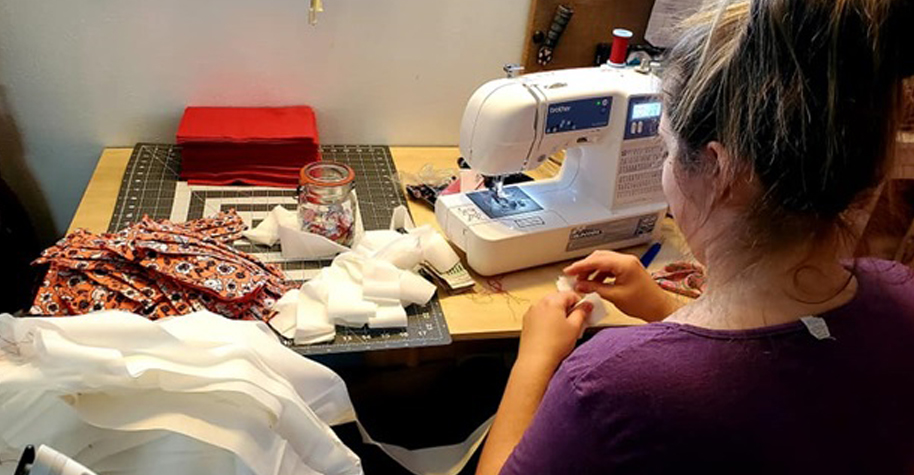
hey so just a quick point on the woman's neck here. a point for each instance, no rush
(745, 292)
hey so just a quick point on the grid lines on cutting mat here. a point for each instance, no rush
(151, 186)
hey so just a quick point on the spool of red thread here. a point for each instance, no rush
(621, 37)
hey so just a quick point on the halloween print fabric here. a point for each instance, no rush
(159, 269)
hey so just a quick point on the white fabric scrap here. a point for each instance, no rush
(286, 319)
(313, 324)
(298, 244)
(400, 219)
(381, 280)
(390, 314)
(566, 284)
(436, 251)
(404, 253)
(266, 233)
(415, 289)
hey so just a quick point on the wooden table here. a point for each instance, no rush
(494, 309)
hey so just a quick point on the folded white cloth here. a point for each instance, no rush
(282, 225)
(267, 232)
(390, 314)
(436, 251)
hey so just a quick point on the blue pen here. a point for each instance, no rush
(650, 254)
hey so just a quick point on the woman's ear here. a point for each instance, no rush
(731, 183)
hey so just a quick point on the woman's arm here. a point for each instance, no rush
(526, 386)
(548, 336)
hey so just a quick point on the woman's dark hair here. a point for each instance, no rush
(804, 94)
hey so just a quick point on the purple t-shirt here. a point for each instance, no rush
(672, 398)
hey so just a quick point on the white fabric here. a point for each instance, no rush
(437, 252)
(415, 289)
(390, 314)
(404, 253)
(313, 324)
(286, 318)
(599, 312)
(119, 378)
(298, 244)
(267, 232)
(282, 225)
(400, 219)
(372, 241)
(369, 285)
(187, 395)
(381, 280)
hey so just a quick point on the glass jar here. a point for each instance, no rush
(326, 202)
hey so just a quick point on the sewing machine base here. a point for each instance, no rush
(564, 227)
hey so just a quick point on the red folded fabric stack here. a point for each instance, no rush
(262, 146)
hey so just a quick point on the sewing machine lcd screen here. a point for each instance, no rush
(643, 117)
(646, 110)
(578, 115)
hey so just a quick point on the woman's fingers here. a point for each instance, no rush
(609, 263)
(586, 266)
(606, 291)
(564, 300)
(579, 315)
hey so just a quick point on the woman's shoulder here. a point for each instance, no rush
(626, 358)
(656, 356)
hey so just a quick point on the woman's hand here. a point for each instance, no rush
(634, 292)
(548, 336)
(550, 332)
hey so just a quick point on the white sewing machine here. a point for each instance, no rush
(608, 193)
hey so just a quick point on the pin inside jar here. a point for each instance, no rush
(326, 202)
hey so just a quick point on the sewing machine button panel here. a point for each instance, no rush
(578, 115)
(529, 222)
(643, 117)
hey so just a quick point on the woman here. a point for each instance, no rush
(779, 117)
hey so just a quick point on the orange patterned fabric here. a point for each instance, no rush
(684, 278)
(159, 269)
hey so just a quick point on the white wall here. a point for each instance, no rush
(80, 75)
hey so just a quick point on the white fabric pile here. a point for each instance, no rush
(187, 395)
(369, 285)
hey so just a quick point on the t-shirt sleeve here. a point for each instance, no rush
(557, 440)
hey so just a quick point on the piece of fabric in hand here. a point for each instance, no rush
(159, 269)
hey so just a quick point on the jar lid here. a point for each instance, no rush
(327, 174)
